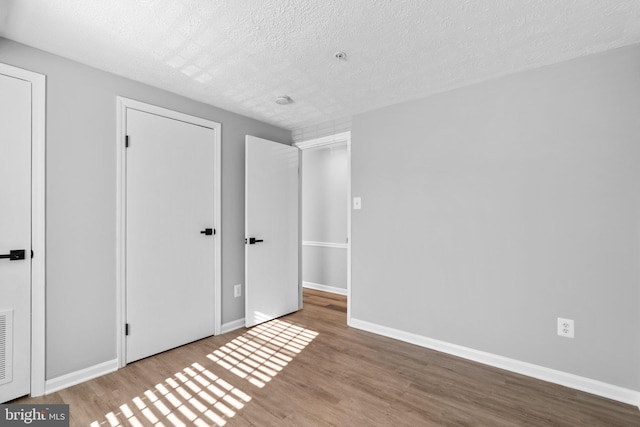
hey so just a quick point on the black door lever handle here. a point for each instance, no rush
(253, 240)
(207, 231)
(14, 255)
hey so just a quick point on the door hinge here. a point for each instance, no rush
(126, 329)
(126, 141)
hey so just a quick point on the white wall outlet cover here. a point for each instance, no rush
(566, 327)
(237, 291)
(357, 203)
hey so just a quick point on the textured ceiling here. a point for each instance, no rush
(239, 55)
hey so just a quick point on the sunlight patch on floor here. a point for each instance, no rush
(196, 396)
(264, 350)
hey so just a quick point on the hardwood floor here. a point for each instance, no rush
(310, 369)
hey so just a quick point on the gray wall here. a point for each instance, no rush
(81, 201)
(324, 214)
(324, 194)
(319, 130)
(324, 266)
(491, 210)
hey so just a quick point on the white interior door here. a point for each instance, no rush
(169, 253)
(15, 235)
(272, 235)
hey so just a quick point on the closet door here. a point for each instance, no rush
(169, 233)
(15, 237)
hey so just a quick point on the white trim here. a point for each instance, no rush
(349, 228)
(232, 326)
(217, 244)
(38, 213)
(300, 249)
(165, 112)
(121, 232)
(344, 137)
(324, 288)
(68, 380)
(38, 235)
(566, 379)
(121, 180)
(325, 244)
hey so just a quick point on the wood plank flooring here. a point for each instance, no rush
(310, 369)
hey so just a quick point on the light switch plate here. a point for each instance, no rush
(357, 203)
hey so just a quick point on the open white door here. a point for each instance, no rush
(271, 226)
(15, 237)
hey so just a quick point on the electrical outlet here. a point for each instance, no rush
(237, 290)
(565, 327)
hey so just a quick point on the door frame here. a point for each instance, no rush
(337, 139)
(122, 104)
(38, 139)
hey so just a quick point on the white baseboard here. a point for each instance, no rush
(325, 288)
(599, 388)
(232, 326)
(68, 380)
(325, 244)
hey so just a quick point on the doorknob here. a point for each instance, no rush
(207, 231)
(253, 240)
(14, 255)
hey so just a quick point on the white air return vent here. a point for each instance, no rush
(6, 346)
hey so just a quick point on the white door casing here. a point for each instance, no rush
(169, 269)
(272, 287)
(22, 110)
